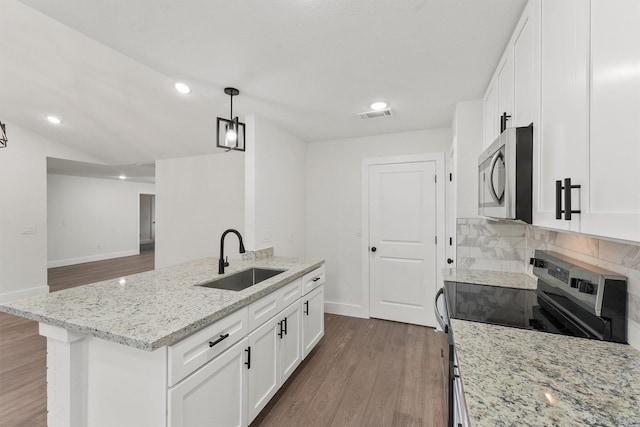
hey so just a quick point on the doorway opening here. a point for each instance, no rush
(147, 232)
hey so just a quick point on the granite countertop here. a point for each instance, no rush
(518, 377)
(491, 278)
(155, 308)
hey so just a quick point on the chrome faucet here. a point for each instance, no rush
(222, 263)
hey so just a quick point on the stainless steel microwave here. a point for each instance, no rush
(505, 176)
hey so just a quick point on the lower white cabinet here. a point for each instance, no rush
(232, 388)
(215, 394)
(263, 367)
(312, 319)
(276, 352)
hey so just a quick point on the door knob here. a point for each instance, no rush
(449, 261)
(373, 249)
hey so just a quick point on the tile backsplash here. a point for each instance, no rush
(484, 244)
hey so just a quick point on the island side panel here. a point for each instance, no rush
(93, 382)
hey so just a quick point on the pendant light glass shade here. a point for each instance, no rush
(230, 132)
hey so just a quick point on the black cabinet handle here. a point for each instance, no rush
(503, 121)
(212, 343)
(373, 249)
(248, 362)
(567, 211)
(558, 199)
(315, 279)
(281, 333)
(306, 308)
(285, 325)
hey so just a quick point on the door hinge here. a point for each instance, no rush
(450, 241)
(450, 177)
(436, 240)
(436, 179)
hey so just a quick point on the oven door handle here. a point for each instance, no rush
(439, 317)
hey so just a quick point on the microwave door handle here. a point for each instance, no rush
(494, 161)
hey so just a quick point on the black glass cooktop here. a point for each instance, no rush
(519, 308)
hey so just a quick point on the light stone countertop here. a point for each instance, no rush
(491, 278)
(518, 377)
(155, 308)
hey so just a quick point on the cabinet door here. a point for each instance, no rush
(613, 207)
(491, 118)
(562, 151)
(312, 319)
(214, 395)
(505, 88)
(263, 371)
(526, 68)
(290, 343)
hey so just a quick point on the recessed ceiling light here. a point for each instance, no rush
(182, 88)
(54, 120)
(378, 106)
(122, 177)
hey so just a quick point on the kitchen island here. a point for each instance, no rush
(126, 351)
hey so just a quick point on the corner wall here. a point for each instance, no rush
(275, 200)
(23, 191)
(197, 198)
(334, 206)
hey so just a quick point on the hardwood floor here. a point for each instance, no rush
(363, 372)
(23, 386)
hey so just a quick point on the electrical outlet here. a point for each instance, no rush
(29, 229)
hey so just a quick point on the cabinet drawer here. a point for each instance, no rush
(312, 280)
(189, 354)
(268, 306)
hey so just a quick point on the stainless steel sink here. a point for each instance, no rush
(243, 279)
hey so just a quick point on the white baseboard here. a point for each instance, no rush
(350, 310)
(91, 258)
(23, 293)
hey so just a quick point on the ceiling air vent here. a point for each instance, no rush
(375, 114)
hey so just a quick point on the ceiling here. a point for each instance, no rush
(107, 67)
(145, 172)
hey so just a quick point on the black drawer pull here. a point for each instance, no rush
(222, 337)
(315, 279)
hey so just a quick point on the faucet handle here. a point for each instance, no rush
(226, 261)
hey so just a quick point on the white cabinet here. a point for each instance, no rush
(526, 67)
(276, 351)
(590, 127)
(214, 395)
(611, 207)
(491, 116)
(564, 123)
(312, 319)
(263, 367)
(513, 90)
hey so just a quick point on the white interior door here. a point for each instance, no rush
(402, 241)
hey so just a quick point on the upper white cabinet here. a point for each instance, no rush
(590, 117)
(612, 205)
(564, 123)
(513, 92)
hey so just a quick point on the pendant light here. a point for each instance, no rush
(3, 135)
(230, 132)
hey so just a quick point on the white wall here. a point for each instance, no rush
(275, 189)
(197, 198)
(334, 205)
(23, 202)
(467, 133)
(91, 219)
